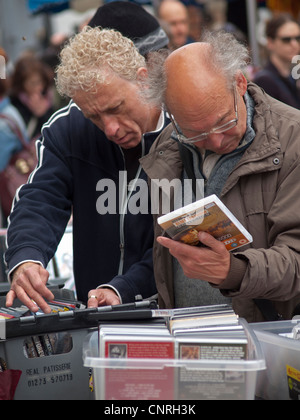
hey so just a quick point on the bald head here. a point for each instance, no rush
(168, 9)
(188, 56)
(202, 97)
(191, 75)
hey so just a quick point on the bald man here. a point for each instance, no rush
(245, 146)
(175, 16)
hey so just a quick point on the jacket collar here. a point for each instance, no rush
(264, 154)
(266, 142)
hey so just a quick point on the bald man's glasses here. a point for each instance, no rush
(217, 130)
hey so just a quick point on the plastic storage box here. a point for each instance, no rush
(58, 375)
(46, 349)
(173, 379)
(281, 379)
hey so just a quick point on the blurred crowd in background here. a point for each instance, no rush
(28, 94)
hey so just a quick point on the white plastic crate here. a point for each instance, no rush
(281, 379)
(173, 379)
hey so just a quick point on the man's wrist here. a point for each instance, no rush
(108, 286)
(13, 271)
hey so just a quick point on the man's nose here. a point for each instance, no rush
(216, 138)
(110, 126)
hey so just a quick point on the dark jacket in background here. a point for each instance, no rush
(29, 119)
(283, 89)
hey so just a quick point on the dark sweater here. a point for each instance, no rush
(74, 155)
(283, 89)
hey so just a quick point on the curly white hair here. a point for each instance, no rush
(92, 56)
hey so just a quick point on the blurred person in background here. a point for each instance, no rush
(174, 17)
(31, 92)
(50, 56)
(217, 15)
(283, 43)
(196, 21)
(11, 124)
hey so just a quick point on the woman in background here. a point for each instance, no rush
(32, 94)
(11, 128)
(11, 124)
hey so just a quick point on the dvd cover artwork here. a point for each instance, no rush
(207, 215)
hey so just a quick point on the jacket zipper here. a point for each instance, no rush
(125, 199)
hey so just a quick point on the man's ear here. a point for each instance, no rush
(142, 74)
(241, 83)
(142, 78)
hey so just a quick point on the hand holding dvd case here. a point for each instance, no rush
(207, 215)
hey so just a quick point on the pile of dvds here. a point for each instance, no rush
(206, 332)
(44, 344)
(57, 305)
(198, 334)
(47, 345)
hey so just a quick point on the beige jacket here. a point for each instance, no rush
(263, 192)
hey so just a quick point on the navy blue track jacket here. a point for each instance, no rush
(73, 156)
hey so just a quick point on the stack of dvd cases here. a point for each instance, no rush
(162, 359)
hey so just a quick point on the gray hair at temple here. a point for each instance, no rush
(226, 56)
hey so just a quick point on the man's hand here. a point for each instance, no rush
(102, 297)
(210, 263)
(28, 285)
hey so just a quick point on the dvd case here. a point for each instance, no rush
(208, 215)
(133, 341)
